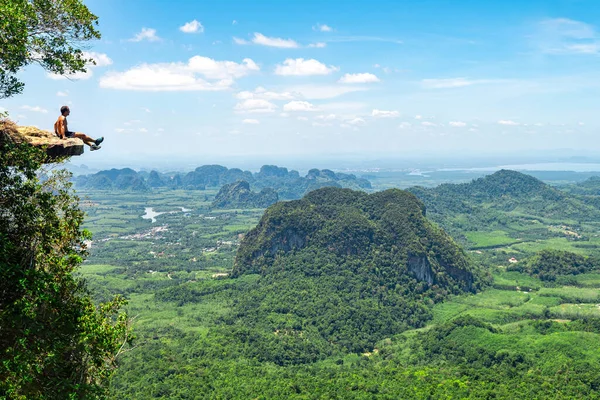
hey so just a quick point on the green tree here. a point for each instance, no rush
(49, 33)
(54, 342)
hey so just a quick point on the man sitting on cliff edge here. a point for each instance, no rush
(62, 131)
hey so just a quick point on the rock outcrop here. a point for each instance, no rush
(53, 145)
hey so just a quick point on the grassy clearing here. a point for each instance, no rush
(570, 294)
(489, 239)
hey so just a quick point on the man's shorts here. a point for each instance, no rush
(70, 134)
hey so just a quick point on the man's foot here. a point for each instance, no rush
(99, 140)
(94, 147)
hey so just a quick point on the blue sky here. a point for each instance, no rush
(199, 79)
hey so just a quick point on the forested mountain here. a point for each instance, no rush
(288, 184)
(239, 195)
(502, 199)
(113, 179)
(347, 269)
(590, 186)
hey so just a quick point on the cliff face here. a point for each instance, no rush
(54, 146)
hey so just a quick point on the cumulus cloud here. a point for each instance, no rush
(359, 78)
(302, 67)
(319, 45)
(299, 106)
(255, 106)
(251, 121)
(457, 124)
(62, 94)
(148, 34)
(322, 28)
(508, 123)
(101, 59)
(188, 76)
(35, 109)
(384, 114)
(192, 27)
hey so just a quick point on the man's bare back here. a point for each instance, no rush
(61, 129)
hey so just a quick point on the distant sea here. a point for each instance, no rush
(574, 167)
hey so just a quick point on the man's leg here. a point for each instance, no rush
(86, 139)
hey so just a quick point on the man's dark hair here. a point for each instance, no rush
(63, 109)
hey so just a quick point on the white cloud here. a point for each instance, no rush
(318, 45)
(581, 123)
(101, 60)
(404, 125)
(263, 40)
(452, 83)
(302, 67)
(427, 123)
(262, 93)
(299, 106)
(302, 118)
(148, 34)
(384, 114)
(192, 27)
(237, 40)
(251, 121)
(320, 92)
(567, 36)
(180, 76)
(145, 109)
(508, 122)
(356, 121)
(35, 109)
(457, 124)
(143, 130)
(123, 130)
(322, 28)
(62, 94)
(359, 78)
(255, 106)
(321, 124)
(418, 117)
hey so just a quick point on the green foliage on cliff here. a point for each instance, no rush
(54, 342)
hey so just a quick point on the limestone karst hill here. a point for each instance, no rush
(54, 146)
(349, 268)
(239, 195)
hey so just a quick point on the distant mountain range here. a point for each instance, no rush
(287, 183)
